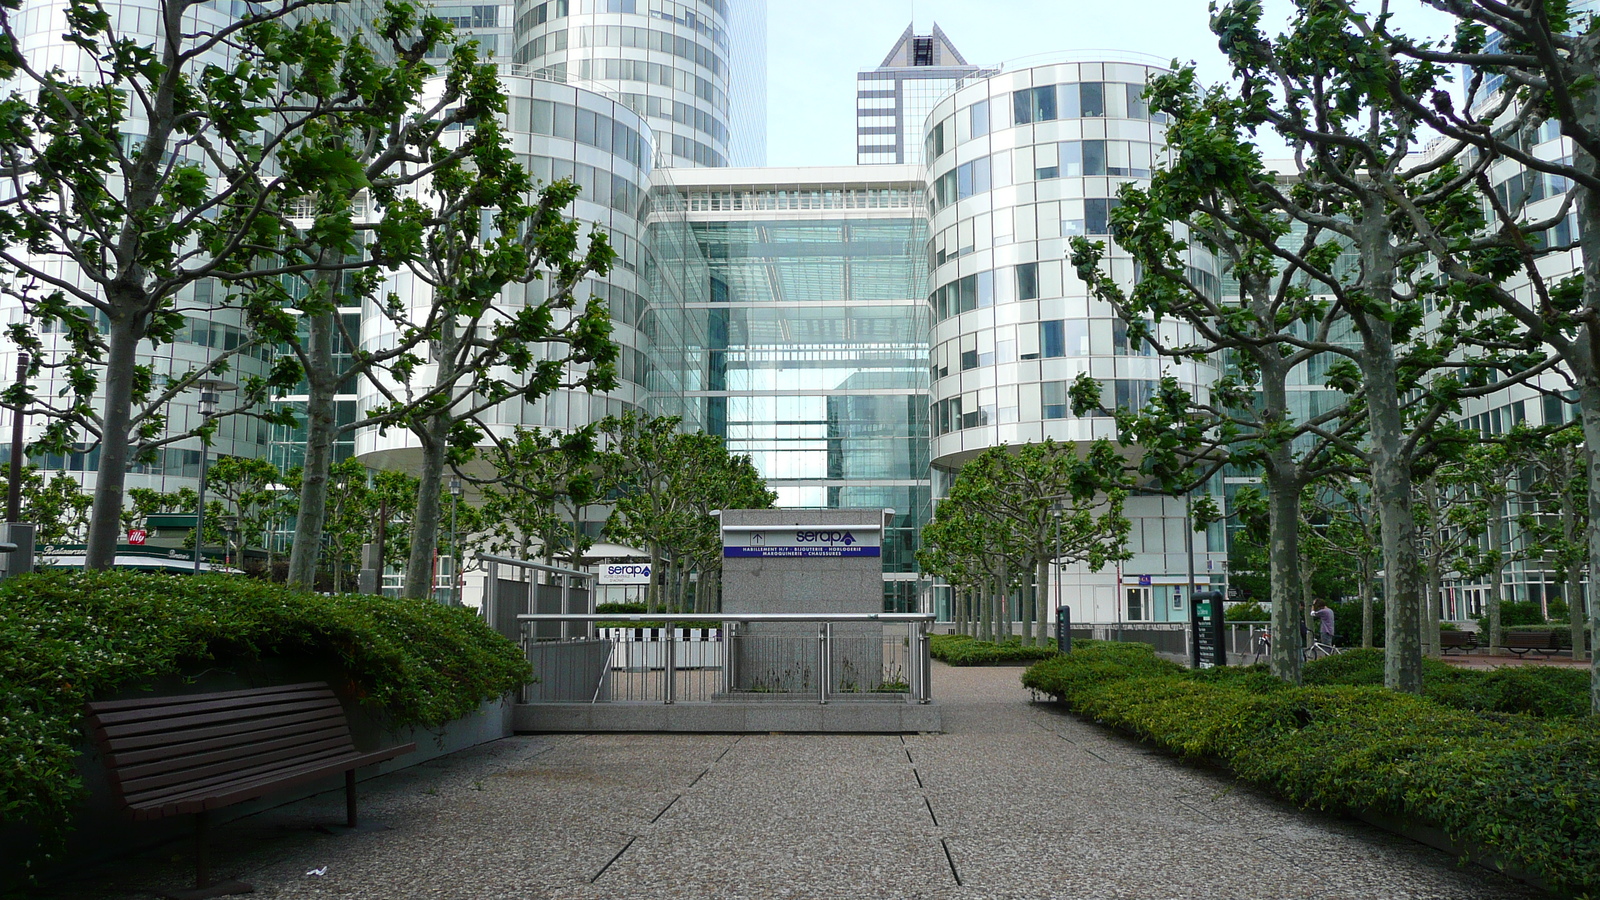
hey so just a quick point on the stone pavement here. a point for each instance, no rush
(1015, 800)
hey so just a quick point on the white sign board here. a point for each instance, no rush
(791, 541)
(625, 573)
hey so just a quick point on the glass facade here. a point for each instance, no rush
(564, 131)
(695, 69)
(816, 340)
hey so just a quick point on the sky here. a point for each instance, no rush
(815, 48)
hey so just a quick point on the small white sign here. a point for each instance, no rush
(625, 573)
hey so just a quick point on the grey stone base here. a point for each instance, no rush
(730, 717)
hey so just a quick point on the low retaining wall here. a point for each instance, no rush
(102, 831)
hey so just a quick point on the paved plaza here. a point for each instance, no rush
(1015, 800)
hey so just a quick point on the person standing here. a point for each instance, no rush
(1324, 617)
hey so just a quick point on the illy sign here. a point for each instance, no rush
(625, 573)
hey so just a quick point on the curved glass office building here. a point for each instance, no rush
(696, 69)
(559, 131)
(1017, 164)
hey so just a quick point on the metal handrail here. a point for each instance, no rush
(525, 564)
(918, 672)
(726, 617)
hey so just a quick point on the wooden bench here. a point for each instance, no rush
(1520, 642)
(169, 756)
(1465, 641)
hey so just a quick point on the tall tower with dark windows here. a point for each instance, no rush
(893, 100)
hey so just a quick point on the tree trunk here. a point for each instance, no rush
(1430, 617)
(1041, 605)
(425, 524)
(1392, 491)
(105, 517)
(652, 590)
(985, 610)
(1496, 576)
(1283, 557)
(1589, 404)
(321, 430)
(1366, 605)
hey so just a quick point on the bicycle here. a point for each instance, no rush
(1318, 649)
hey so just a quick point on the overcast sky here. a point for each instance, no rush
(815, 48)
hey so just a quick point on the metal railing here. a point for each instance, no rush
(741, 657)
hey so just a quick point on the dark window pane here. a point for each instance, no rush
(1092, 98)
(1022, 106)
(1094, 157)
(1044, 100)
(1052, 339)
(1028, 281)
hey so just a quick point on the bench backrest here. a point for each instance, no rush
(160, 748)
(1454, 638)
(1537, 639)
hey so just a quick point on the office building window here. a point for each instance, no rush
(1028, 281)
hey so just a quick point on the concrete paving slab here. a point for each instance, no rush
(1015, 799)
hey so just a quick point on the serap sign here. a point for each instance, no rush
(624, 573)
(782, 542)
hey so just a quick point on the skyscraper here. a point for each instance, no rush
(893, 100)
(695, 69)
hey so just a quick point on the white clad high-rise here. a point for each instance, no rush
(694, 69)
(1018, 163)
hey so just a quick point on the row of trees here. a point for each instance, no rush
(303, 168)
(662, 486)
(659, 484)
(1011, 516)
(1401, 275)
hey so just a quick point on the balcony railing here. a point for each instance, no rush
(743, 657)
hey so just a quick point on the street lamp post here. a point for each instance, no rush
(209, 396)
(208, 405)
(455, 550)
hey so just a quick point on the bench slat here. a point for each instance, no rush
(194, 719)
(245, 697)
(155, 745)
(239, 766)
(241, 748)
(199, 801)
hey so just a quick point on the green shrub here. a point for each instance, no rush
(1515, 786)
(67, 638)
(621, 608)
(964, 650)
(1540, 692)
(1249, 611)
(1512, 614)
(1347, 623)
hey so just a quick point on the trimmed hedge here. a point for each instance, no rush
(67, 638)
(965, 650)
(1553, 693)
(1516, 786)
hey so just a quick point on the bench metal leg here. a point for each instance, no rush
(202, 867)
(204, 887)
(350, 798)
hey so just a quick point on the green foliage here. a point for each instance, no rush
(1512, 785)
(667, 485)
(1249, 611)
(66, 639)
(59, 507)
(964, 650)
(1347, 623)
(1513, 613)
